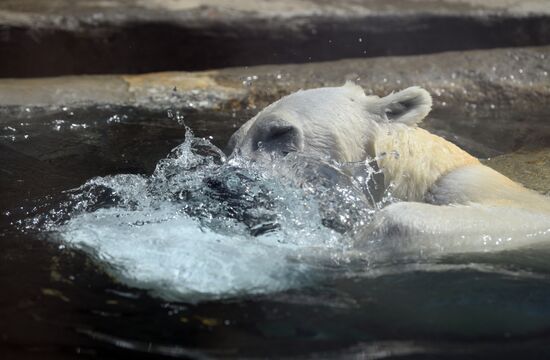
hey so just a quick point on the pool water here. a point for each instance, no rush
(114, 244)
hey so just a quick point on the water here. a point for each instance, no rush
(172, 260)
(203, 227)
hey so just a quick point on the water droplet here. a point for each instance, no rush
(115, 119)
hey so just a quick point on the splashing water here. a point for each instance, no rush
(204, 227)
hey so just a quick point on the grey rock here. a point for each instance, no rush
(531, 168)
(507, 79)
(71, 14)
(57, 37)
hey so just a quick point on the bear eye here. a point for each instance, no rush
(278, 131)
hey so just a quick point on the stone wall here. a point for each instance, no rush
(62, 37)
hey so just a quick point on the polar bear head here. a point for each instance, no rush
(333, 123)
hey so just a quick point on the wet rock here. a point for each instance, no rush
(517, 78)
(198, 90)
(529, 167)
(151, 91)
(63, 91)
(57, 37)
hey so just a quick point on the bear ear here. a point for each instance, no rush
(350, 85)
(409, 106)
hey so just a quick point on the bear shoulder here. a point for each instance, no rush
(413, 159)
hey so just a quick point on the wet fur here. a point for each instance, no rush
(451, 202)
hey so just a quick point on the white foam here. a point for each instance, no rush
(175, 257)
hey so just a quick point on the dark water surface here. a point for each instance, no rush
(56, 302)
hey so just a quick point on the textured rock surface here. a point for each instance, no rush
(531, 168)
(517, 78)
(55, 37)
(74, 13)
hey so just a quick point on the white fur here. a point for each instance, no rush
(455, 202)
(409, 106)
(420, 229)
(315, 112)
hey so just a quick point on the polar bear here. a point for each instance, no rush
(450, 202)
